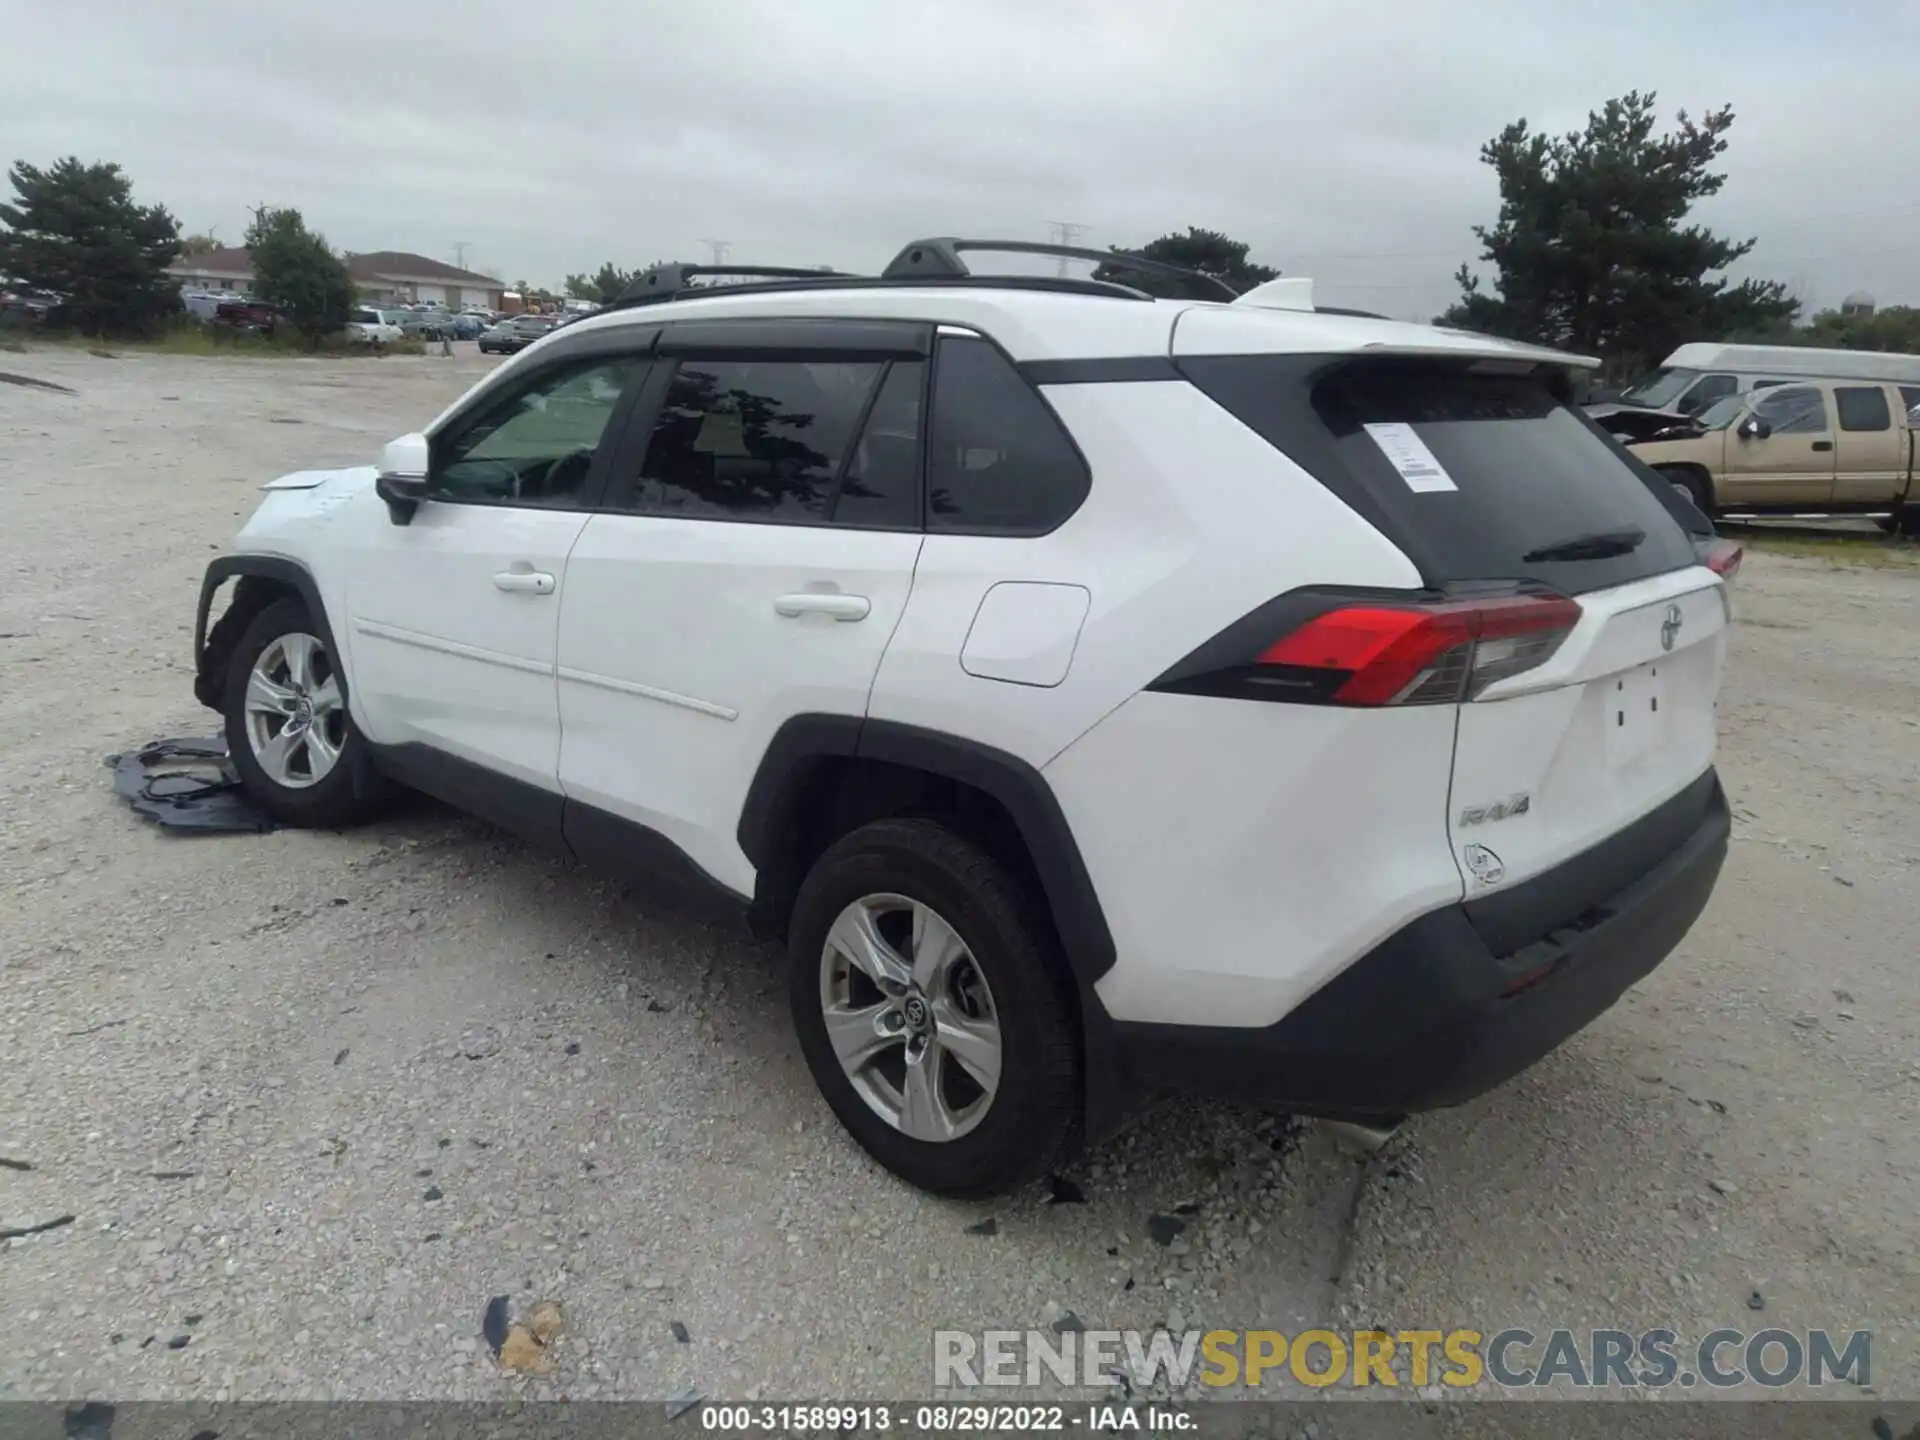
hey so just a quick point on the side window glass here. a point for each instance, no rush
(998, 461)
(536, 445)
(1862, 407)
(1910, 397)
(1794, 410)
(1709, 389)
(754, 439)
(880, 489)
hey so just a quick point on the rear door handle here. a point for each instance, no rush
(526, 582)
(1822, 445)
(824, 602)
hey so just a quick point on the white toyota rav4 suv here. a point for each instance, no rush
(1099, 695)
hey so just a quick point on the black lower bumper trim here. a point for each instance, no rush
(1436, 1015)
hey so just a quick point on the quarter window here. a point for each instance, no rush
(998, 462)
(755, 439)
(536, 446)
(1863, 407)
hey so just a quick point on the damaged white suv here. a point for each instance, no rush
(1099, 695)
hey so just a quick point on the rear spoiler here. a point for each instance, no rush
(1496, 354)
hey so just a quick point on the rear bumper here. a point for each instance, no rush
(1468, 996)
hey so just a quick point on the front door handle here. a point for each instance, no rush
(824, 602)
(526, 582)
(1823, 445)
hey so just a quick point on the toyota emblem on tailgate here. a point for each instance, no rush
(1670, 627)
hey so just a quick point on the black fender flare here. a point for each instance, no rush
(768, 814)
(207, 664)
(1021, 790)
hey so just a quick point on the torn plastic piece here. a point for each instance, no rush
(188, 784)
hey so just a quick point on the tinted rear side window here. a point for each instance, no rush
(1863, 407)
(998, 461)
(1473, 476)
(754, 439)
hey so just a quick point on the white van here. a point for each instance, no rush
(1695, 376)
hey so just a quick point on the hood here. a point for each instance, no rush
(1619, 407)
(356, 477)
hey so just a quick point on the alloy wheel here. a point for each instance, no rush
(910, 1017)
(296, 716)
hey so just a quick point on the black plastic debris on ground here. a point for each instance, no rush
(187, 785)
(493, 1324)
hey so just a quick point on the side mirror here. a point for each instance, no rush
(1754, 428)
(403, 477)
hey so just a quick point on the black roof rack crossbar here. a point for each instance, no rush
(665, 282)
(939, 258)
(824, 280)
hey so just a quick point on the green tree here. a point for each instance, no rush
(75, 229)
(296, 272)
(603, 287)
(1207, 251)
(1592, 252)
(199, 243)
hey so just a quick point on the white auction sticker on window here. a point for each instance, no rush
(1409, 454)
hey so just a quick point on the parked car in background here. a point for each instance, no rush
(515, 334)
(1831, 446)
(25, 302)
(369, 327)
(424, 324)
(466, 327)
(250, 316)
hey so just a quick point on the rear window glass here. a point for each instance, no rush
(1476, 477)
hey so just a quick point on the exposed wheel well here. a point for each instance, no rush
(1695, 477)
(835, 795)
(251, 595)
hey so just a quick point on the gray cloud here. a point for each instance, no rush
(1341, 140)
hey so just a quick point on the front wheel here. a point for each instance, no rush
(288, 731)
(932, 1010)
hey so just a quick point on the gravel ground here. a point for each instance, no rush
(313, 1099)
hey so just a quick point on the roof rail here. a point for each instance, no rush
(661, 283)
(939, 259)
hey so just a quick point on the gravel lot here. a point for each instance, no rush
(313, 1099)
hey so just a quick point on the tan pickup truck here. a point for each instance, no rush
(1832, 446)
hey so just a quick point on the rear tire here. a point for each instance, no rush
(910, 940)
(288, 730)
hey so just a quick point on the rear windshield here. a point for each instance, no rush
(1476, 477)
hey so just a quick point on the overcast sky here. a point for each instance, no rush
(1339, 137)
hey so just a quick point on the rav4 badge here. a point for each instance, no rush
(1505, 809)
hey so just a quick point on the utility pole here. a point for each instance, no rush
(1065, 232)
(460, 254)
(719, 249)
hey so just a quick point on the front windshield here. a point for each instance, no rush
(1721, 414)
(1660, 389)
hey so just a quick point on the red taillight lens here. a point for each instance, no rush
(1721, 556)
(1425, 654)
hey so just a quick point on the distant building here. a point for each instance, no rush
(225, 269)
(382, 277)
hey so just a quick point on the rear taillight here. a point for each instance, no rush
(1428, 654)
(1387, 652)
(1720, 555)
